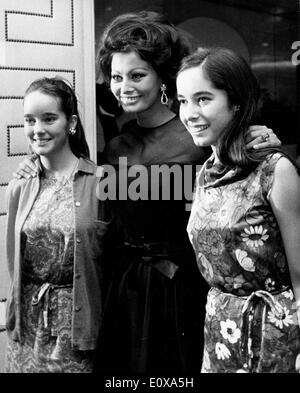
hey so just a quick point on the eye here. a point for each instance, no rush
(116, 78)
(138, 76)
(203, 100)
(181, 101)
(29, 120)
(49, 119)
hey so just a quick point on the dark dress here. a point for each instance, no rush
(154, 315)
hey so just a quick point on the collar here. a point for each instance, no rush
(84, 165)
(217, 174)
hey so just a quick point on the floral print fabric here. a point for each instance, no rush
(48, 255)
(251, 323)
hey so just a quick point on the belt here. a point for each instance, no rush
(247, 319)
(41, 298)
(155, 254)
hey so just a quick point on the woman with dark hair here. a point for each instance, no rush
(161, 46)
(60, 89)
(244, 223)
(54, 241)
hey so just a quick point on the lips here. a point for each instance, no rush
(129, 99)
(41, 142)
(197, 128)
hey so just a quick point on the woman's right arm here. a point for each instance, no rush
(285, 202)
(12, 196)
(27, 168)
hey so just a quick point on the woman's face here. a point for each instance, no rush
(204, 110)
(45, 125)
(134, 82)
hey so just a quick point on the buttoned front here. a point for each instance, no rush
(89, 233)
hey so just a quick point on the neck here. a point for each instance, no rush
(216, 158)
(155, 116)
(60, 164)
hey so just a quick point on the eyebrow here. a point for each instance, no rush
(199, 93)
(44, 114)
(133, 70)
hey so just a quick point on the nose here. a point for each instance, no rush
(126, 86)
(192, 112)
(38, 127)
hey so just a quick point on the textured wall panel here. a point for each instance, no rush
(38, 25)
(39, 38)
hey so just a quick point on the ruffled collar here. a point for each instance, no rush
(217, 174)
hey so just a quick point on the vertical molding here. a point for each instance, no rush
(89, 76)
(2, 314)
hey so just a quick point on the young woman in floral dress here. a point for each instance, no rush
(54, 241)
(244, 224)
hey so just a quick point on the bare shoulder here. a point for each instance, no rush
(286, 170)
(286, 186)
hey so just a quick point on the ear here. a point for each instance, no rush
(73, 121)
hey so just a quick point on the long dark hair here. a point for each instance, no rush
(150, 35)
(58, 88)
(230, 72)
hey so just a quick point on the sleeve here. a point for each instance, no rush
(13, 192)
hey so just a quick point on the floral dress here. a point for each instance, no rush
(251, 323)
(47, 290)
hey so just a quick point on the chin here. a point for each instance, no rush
(199, 142)
(202, 141)
(139, 107)
(41, 151)
(131, 109)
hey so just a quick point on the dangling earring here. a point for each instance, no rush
(164, 98)
(237, 108)
(72, 131)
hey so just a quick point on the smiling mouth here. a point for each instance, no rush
(130, 99)
(197, 128)
(41, 141)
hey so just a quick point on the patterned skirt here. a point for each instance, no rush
(46, 326)
(255, 334)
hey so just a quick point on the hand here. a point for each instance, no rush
(259, 137)
(26, 169)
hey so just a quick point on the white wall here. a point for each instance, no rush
(40, 38)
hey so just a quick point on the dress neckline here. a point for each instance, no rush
(175, 117)
(217, 174)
